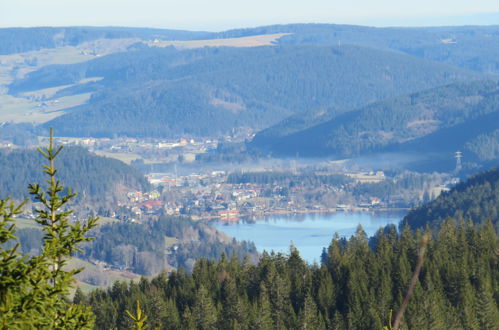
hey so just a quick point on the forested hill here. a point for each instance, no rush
(18, 40)
(139, 86)
(476, 199)
(94, 178)
(168, 92)
(471, 47)
(461, 116)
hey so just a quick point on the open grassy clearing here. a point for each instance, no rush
(47, 93)
(30, 223)
(122, 156)
(19, 109)
(84, 287)
(251, 41)
(18, 65)
(169, 241)
(95, 276)
(36, 59)
(22, 223)
(106, 220)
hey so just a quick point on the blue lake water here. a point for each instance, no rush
(310, 233)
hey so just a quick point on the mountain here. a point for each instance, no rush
(460, 116)
(476, 199)
(98, 180)
(167, 92)
(470, 47)
(166, 83)
(19, 40)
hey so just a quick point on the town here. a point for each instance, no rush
(252, 195)
(186, 185)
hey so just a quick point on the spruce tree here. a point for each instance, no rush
(310, 318)
(232, 305)
(264, 315)
(204, 312)
(487, 311)
(34, 289)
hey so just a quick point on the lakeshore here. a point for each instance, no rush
(308, 232)
(325, 211)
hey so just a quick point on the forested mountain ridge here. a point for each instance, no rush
(18, 40)
(460, 116)
(476, 199)
(313, 70)
(97, 179)
(180, 91)
(470, 47)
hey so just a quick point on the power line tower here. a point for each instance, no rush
(458, 155)
(293, 167)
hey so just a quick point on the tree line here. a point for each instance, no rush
(94, 177)
(359, 281)
(476, 199)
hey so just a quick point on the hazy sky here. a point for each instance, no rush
(224, 14)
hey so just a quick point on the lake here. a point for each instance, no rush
(310, 233)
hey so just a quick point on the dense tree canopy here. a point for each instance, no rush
(359, 281)
(476, 199)
(436, 122)
(168, 92)
(94, 177)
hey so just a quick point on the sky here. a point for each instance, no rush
(217, 15)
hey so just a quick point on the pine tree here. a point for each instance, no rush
(204, 312)
(310, 317)
(487, 311)
(326, 294)
(264, 310)
(188, 320)
(171, 318)
(232, 305)
(33, 290)
(139, 318)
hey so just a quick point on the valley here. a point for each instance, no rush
(345, 152)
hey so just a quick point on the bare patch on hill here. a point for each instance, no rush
(227, 105)
(423, 127)
(226, 100)
(251, 41)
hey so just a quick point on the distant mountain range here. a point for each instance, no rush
(149, 93)
(471, 47)
(311, 89)
(442, 120)
(19, 40)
